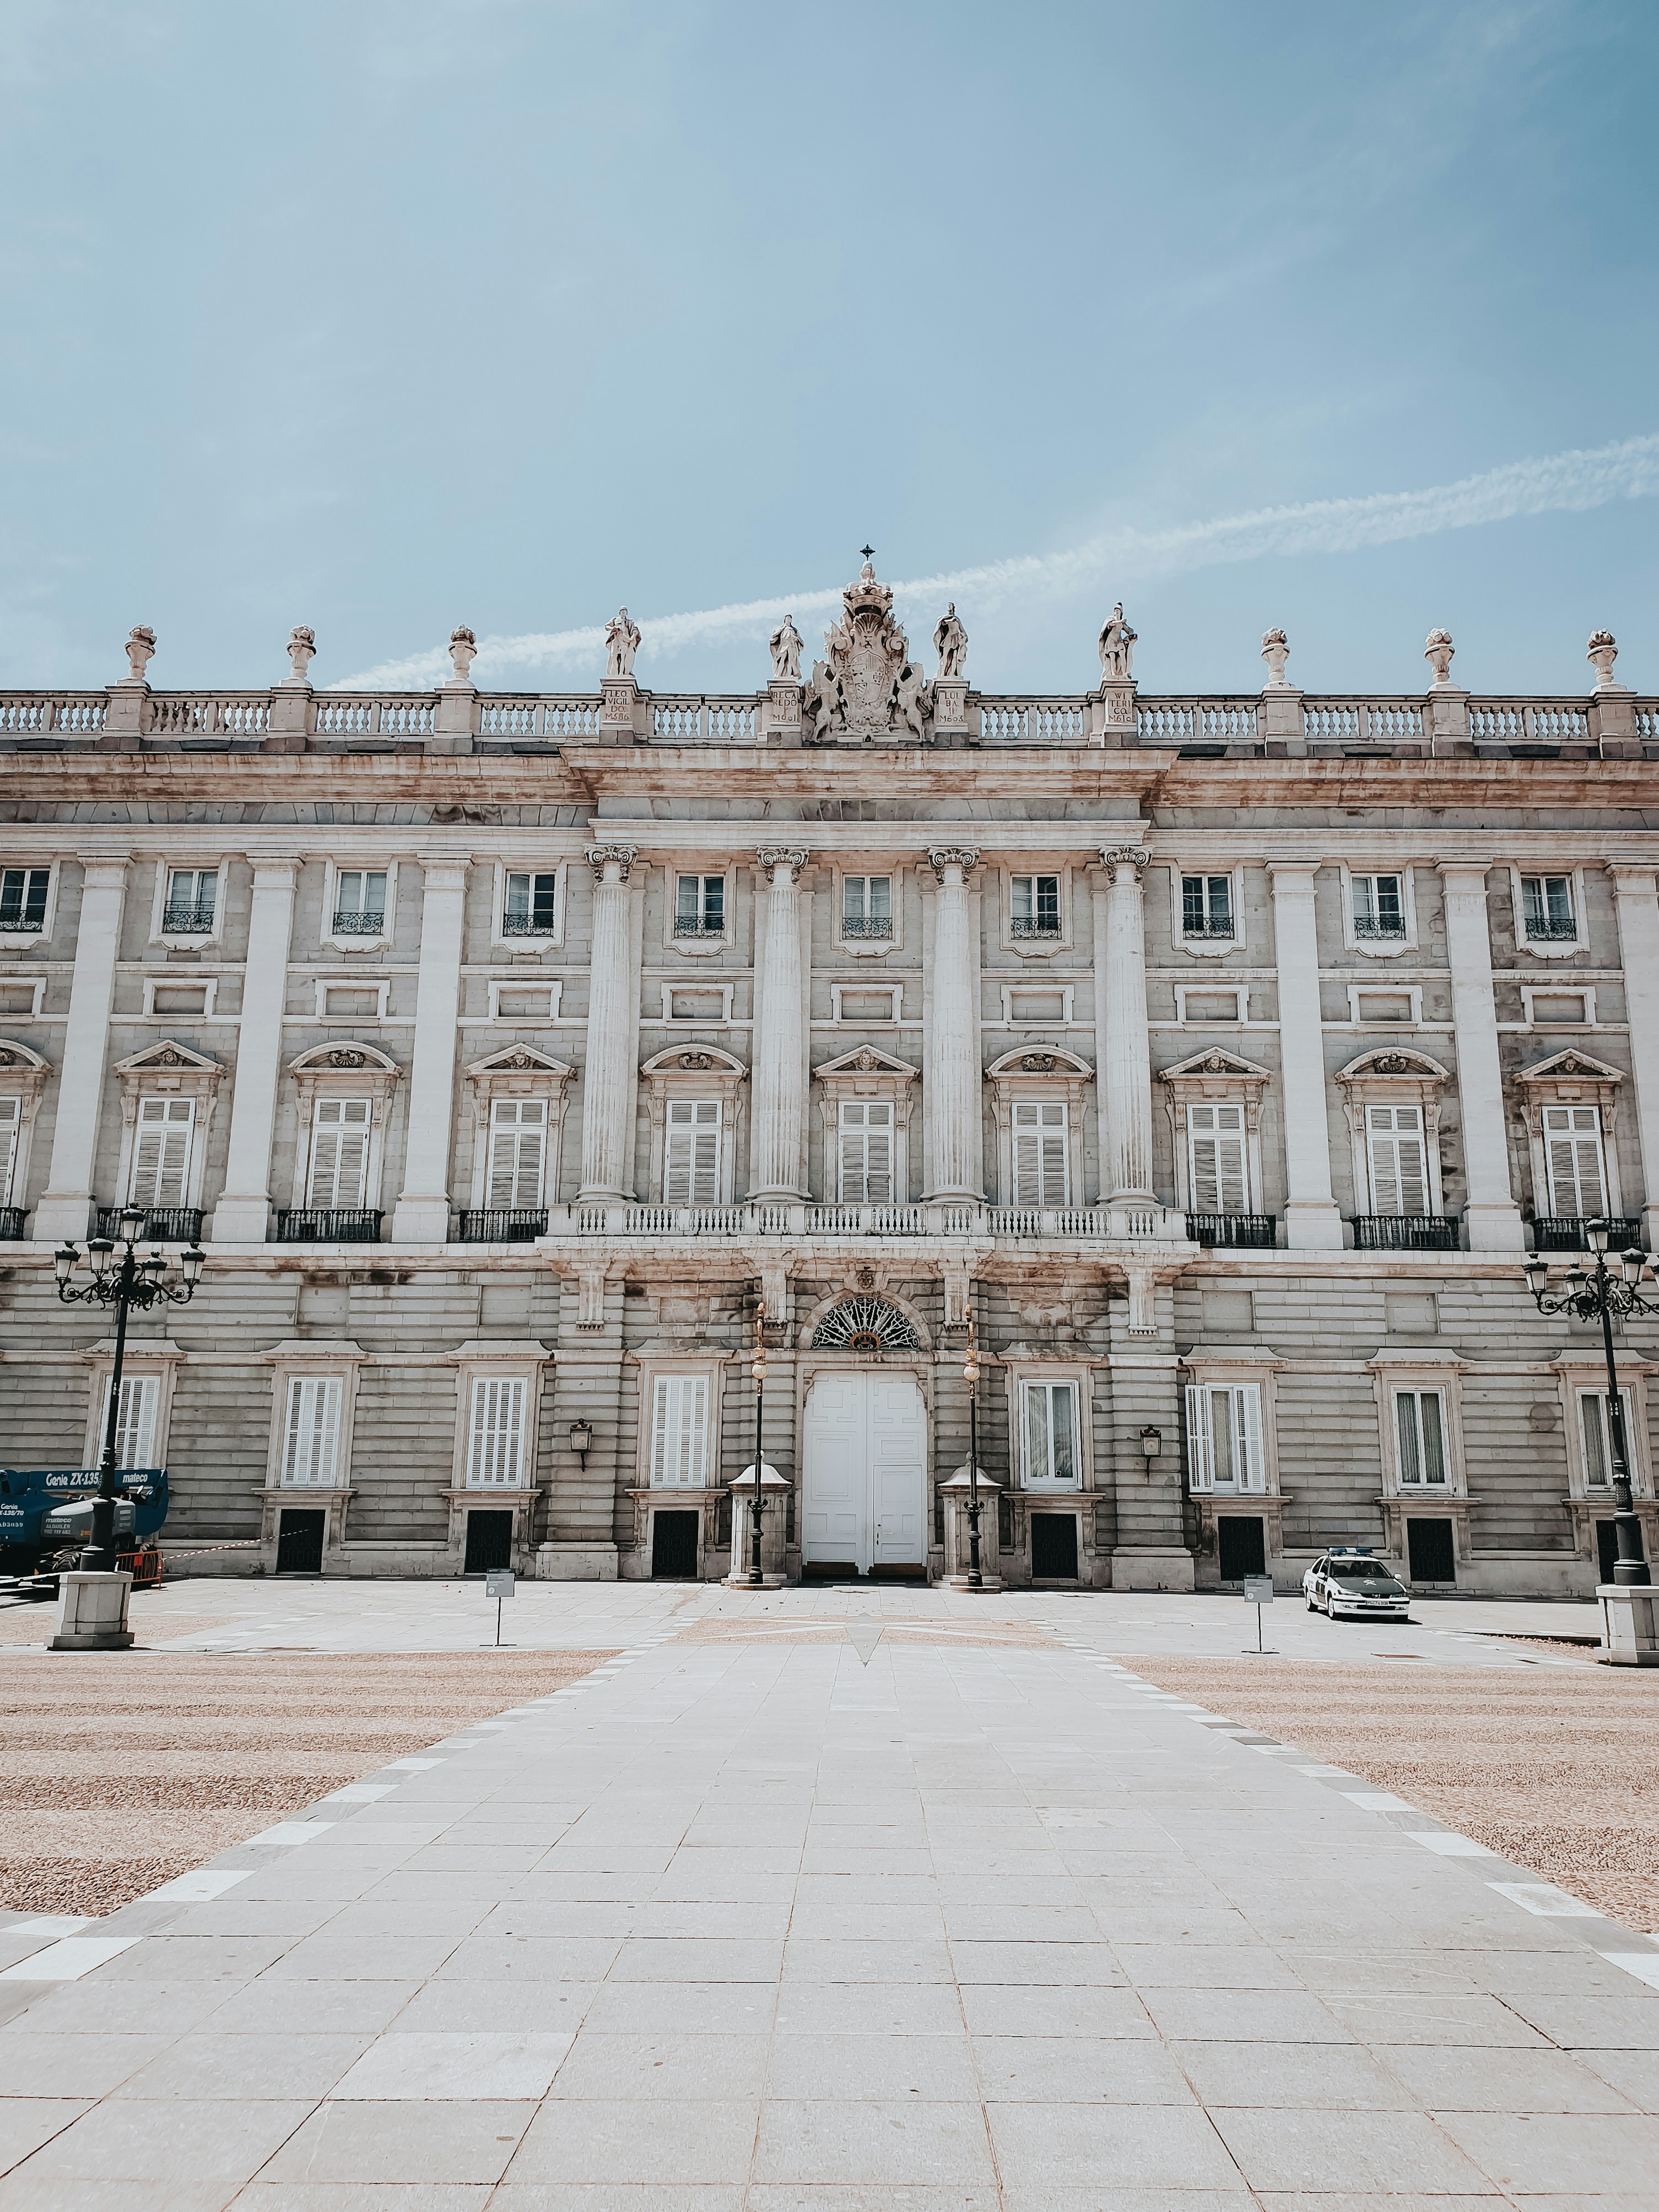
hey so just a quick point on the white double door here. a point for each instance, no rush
(865, 1462)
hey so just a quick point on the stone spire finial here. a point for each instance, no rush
(140, 651)
(1275, 651)
(1602, 652)
(301, 652)
(1438, 651)
(463, 652)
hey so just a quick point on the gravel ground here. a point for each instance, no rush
(118, 1771)
(1554, 1768)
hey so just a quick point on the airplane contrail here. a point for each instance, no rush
(1116, 560)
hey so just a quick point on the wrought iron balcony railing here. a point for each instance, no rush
(11, 1220)
(1222, 1229)
(1390, 927)
(1404, 1232)
(1564, 1232)
(1222, 927)
(866, 925)
(503, 1225)
(526, 924)
(23, 924)
(163, 1224)
(359, 921)
(1546, 929)
(696, 925)
(187, 918)
(1035, 925)
(328, 1224)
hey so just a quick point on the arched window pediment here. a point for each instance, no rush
(348, 1058)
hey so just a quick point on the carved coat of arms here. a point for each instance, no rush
(865, 686)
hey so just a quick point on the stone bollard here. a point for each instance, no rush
(92, 1612)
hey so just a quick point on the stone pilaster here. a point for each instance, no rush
(1311, 1220)
(422, 1216)
(952, 1095)
(1127, 1170)
(608, 1074)
(243, 1213)
(777, 1091)
(1492, 1217)
(1634, 887)
(66, 1208)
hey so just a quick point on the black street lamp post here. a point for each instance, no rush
(125, 1284)
(758, 1370)
(970, 1376)
(1597, 1294)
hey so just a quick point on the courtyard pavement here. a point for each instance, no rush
(795, 1907)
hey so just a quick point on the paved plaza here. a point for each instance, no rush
(836, 1900)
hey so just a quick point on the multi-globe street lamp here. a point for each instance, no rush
(128, 1284)
(1599, 1293)
(970, 1376)
(757, 1371)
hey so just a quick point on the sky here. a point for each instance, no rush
(386, 315)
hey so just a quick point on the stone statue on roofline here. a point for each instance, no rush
(786, 643)
(1116, 644)
(951, 643)
(622, 642)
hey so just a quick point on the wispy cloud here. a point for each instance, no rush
(1116, 560)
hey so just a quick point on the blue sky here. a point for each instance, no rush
(386, 316)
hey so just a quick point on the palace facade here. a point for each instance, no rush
(1215, 1062)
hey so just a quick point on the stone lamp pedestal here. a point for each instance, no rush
(92, 1612)
(774, 1489)
(955, 1491)
(1630, 1624)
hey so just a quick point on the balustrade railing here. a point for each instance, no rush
(1182, 722)
(797, 1219)
(1566, 1232)
(1362, 721)
(34, 714)
(1404, 1232)
(718, 721)
(1232, 1232)
(163, 1224)
(1033, 721)
(503, 1225)
(328, 1224)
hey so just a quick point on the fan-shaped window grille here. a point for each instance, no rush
(864, 1325)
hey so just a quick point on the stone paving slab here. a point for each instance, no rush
(758, 1925)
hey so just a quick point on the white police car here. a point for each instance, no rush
(1356, 1582)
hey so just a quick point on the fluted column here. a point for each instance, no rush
(1127, 1171)
(777, 1081)
(608, 1069)
(1492, 1217)
(1639, 953)
(243, 1213)
(422, 1216)
(66, 1208)
(1311, 1220)
(952, 1095)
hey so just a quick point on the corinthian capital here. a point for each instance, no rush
(941, 857)
(1129, 856)
(793, 857)
(623, 855)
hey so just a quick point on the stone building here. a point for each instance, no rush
(1217, 1059)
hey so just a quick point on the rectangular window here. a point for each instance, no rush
(1546, 907)
(1379, 907)
(1574, 1162)
(679, 1431)
(700, 907)
(311, 1442)
(1051, 1435)
(1035, 909)
(11, 1124)
(1598, 1445)
(1215, 1152)
(529, 908)
(160, 1152)
(691, 1153)
(1393, 1146)
(1419, 1418)
(359, 901)
(517, 1151)
(1207, 906)
(866, 1153)
(135, 1425)
(866, 906)
(191, 894)
(498, 1445)
(1224, 1438)
(23, 898)
(339, 1154)
(1042, 1166)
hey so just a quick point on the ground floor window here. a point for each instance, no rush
(134, 1425)
(497, 1442)
(679, 1431)
(1225, 1450)
(311, 1441)
(1051, 1435)
(1593, 1427)
(1420, 1426)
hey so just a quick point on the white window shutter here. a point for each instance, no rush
(497, 1430)
(1216, 1149)
(134, 1425)
(1041, 1166)
(338, 1174)
(691, 1163)
(679, 1422)
(1393, 1137)
(11, 1122)
(1248, 1457)
(161, 1152)
(1573, 1157)
(1201, 1450)
(517, 1137)
(312, 1446)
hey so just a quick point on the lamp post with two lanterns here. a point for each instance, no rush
(128, 1284)
(1599, 1293)
(970, 1376)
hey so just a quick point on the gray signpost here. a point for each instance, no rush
(1258, 1592)
(498, 1584)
